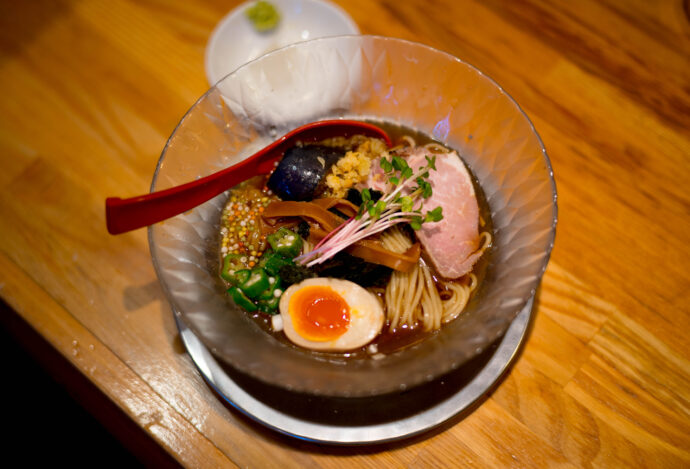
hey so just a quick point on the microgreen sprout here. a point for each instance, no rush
(404, 203)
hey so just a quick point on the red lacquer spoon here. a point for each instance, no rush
(124, 215)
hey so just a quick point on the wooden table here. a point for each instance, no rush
(92, 89)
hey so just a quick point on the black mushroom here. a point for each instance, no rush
(300, 174)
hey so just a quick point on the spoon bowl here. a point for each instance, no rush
(124, 215)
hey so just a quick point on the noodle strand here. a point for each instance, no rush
(413, 298)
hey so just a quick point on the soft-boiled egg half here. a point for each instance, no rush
(330, 314)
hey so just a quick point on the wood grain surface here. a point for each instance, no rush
(91, 90)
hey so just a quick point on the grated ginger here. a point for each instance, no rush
(354, 167)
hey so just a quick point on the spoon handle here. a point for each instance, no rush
(124, 215)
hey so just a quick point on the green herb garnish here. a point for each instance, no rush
(404, 204)
(263, 15)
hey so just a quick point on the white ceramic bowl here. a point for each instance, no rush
(234, 41)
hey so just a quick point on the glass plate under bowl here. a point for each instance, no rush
(366, 420)
(358, 77)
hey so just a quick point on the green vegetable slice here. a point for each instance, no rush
(272, 262)
(238, 277)
(273, 286)
(285, 242)
(255, 284)
(231, 264)
(241, 299)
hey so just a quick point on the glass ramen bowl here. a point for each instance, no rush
(356, 77)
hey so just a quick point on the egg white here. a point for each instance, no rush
(366, 315)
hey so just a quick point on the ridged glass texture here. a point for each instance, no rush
(357, 77)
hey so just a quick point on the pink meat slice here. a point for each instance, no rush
(451, 243)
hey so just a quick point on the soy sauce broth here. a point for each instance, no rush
(390, 341)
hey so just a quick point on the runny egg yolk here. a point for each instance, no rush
(319, 313)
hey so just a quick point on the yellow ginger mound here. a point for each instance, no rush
(354, 167)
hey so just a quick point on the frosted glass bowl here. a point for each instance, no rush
(360, 77)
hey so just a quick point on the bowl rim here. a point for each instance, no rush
(554, 195)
